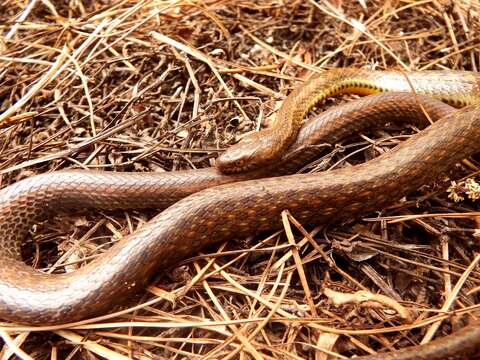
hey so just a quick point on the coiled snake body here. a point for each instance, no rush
(238, 209)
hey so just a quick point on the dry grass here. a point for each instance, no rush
(164, 85)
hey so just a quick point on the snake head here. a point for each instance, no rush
(245, 155)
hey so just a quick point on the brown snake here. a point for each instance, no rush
(233, 210)
(458, 88)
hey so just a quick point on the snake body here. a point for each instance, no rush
(215, 214)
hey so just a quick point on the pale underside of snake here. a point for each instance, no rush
(232, 210)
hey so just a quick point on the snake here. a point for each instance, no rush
(207, 206)
(257, 149)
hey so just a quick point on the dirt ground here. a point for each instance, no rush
(167, 85)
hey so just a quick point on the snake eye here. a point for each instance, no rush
(239, 164)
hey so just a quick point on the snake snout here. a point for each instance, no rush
(230, 162)
(242, 156)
